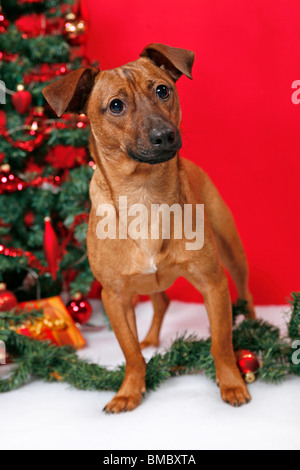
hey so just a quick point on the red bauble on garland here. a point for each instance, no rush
(247, 363)
(21, 99)
(79, 309)
(8, 300)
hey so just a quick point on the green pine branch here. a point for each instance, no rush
(187, 355)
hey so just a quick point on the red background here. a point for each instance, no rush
(239, 122)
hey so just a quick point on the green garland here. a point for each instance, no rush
(186, 355)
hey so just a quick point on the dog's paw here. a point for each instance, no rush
(236, 395)
(148, 342)
(122, 403)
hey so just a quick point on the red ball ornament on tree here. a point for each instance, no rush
(8, 300)
(21, 99)
(79, 309)
(29, 219)
(247, 363)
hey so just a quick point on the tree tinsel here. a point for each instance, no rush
(187, 355)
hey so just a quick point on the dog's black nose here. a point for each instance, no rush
(162, 138)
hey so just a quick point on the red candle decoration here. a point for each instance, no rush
(247, 363)
(8, 300)
(79, 309)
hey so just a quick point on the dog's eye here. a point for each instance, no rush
(163, 92)
(116, 106)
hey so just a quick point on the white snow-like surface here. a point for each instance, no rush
(184, 413)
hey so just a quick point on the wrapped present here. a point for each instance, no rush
(56, 324)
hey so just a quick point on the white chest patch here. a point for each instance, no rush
(151, 268)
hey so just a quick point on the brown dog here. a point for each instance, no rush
(135, 116)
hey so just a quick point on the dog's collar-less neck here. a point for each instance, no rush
(137, 178)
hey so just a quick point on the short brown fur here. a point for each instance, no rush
(125, 267)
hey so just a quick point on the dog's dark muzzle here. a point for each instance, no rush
(164, 144)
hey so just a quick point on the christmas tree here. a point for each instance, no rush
(45, 166)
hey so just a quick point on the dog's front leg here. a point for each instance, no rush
(218, 305)
(121, 316)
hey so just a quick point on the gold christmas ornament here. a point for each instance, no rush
(74, 29)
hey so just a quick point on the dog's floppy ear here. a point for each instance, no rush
(70, 93)
(173, 60)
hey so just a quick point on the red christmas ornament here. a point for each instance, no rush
(8, 300)
(247, 363)
(79, 309)
(4, 23)
(9, 183)
(51, 248)
(29, 219)
(21, 99)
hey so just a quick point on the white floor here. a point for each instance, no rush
(184, 413)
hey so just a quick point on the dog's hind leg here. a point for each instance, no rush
(228, 241)
(233, 256)
(229, 244)
(160, 302)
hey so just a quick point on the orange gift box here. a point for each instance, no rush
(55, 325)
